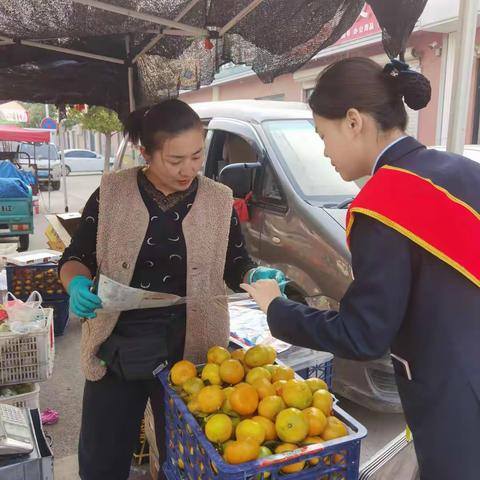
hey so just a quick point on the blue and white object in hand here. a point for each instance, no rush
(82, 301)
(266, 273)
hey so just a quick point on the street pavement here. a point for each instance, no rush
(63, 392)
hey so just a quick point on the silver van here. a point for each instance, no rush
(297, 215)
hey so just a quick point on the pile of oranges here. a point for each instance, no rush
(250, 408)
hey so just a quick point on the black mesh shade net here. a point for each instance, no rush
(274, 37)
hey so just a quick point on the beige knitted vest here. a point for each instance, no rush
(123, 222)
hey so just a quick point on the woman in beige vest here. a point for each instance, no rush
(162, 228)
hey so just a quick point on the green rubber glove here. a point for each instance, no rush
(82, 301)
(266, 273)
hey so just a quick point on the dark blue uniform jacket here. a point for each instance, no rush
(405, 299)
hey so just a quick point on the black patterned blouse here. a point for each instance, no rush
(161, 265)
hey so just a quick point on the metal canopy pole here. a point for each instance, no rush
(147, 17)
(61, 141)
(158, 37)
(239, 17)
(70, 51)
(467, 26)
(131, 105)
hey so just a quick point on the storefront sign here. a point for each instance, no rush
(365, 26)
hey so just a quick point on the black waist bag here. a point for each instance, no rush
(134, 358)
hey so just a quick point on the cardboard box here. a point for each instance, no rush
(154, 465)
(150, 430)
(62, 227)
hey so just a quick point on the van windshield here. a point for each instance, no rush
(39, 151)
(300, 151)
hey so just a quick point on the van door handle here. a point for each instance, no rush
(276, 240)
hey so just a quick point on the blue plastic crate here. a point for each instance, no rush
(186, 441)
(22, 280)
(323, 371)
(60, 314)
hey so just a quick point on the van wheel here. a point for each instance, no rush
(67, 170)
(56, 185)
(24, 241)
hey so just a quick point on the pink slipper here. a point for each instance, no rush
(49, 417)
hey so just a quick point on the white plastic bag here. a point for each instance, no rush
(23, 317)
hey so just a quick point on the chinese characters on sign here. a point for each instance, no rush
(365, 26)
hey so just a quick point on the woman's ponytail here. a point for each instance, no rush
(134, 125)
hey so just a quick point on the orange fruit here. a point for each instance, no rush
(316, 384)
(217, 355)
(272, 354)
(232, 371)
(263, 387)
(193, 406)
(283, 373)
(256, 373)
(278, 386)
(294, 467)
(210, 399)
(264, 452)
(238, 354)
(268, 425)
(211, 374)
(323, 400)
(226, 406)
(182, 371)
(241, 451)
(250, 429)
(291, 425)
(317, 421)
(193, 385)
(297, 394)
(312, 441)
(219, 428)
(257, 356)
(244, 399)
(335, 429)
(270, 367)
(271, 406)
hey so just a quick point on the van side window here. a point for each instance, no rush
(225, 148)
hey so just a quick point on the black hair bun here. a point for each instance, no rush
(414, 87)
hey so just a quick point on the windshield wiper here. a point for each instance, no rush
(345, 203)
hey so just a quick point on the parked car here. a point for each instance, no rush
(78, 160)
(46, 158)
(297, 215)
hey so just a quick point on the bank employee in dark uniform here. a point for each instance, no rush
(161, 228)
(414, 236)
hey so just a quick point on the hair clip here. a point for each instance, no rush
(395, 67)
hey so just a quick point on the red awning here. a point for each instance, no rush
(11, 133)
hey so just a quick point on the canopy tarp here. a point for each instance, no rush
(80, 51)
(12, 133)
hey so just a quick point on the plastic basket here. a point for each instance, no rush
(60, 314)
(43, 278)
(28, 358)
(322, 370)
(186, 441)
(25, 400)
(314, 365)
